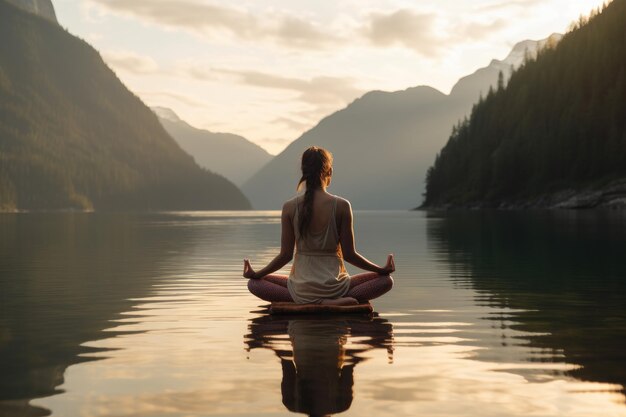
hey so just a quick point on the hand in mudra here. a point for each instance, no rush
(248, 272)
(390, 266)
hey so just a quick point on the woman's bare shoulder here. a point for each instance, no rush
(342, 203)
(290, 204)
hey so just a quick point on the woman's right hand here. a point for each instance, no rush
(390, 266)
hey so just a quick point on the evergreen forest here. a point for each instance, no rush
(559, 123)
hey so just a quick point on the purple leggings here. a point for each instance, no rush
(363, 287)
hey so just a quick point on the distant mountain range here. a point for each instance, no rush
(232, 156)
(384, 142)
(73, 137)
(555, 136)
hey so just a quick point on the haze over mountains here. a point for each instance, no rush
(73, 137)
(383, 142)
(232, 156)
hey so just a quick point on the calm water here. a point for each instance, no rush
(492, 314)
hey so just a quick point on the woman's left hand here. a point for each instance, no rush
(248, 272)
(390, 266)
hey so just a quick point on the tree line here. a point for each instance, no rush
(560, 122)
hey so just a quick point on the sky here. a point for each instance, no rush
(270, 70)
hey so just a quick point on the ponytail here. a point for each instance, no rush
(316, 168)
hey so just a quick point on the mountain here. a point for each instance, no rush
(473, 86)
(383, 142)
(42, 8)
(73, 137)
(555, 136)
(232, 156)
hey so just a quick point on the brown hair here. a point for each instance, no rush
(317, 164)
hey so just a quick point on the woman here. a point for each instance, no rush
(319, 225)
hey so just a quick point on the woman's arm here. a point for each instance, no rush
(350, 254)
(287, 242)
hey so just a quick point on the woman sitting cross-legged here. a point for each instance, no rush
(319, 226)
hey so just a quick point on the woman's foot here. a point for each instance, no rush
(343, 301)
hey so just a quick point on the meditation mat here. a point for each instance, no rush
(293, 308)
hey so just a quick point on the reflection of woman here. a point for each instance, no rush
(317, 381)
(319, 224)
(318, 371)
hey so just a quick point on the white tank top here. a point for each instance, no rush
(318, 271)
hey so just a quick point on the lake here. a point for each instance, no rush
(492, 314)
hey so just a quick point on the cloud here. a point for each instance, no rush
(319, 96)
(130, 62)
(186, 14)
(198, 73)
(477, 30)
(210, 19)
(292, 124)
(403, 27)
(406, 28)
(508, 4)
(156, 96)
(296, 32)
(318, 91)
(425, 33)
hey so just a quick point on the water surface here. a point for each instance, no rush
(492, 314)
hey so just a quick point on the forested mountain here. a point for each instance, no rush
(43, 8)
(383, 142)
(232, 156)
(73, 136)
(558, 125)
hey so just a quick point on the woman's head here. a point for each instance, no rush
(317, 170)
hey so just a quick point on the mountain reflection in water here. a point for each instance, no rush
(318, 355)
(560, 274)
(134, 315)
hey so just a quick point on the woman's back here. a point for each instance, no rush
(324, 208)
(322, 234)
(318, 271)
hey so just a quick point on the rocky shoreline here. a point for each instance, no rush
(611, 196)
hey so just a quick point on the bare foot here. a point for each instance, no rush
(343, 301)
